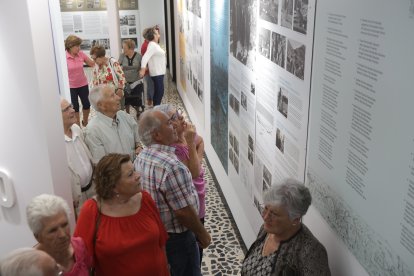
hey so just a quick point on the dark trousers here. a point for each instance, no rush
(158, 89)
(182, 254)
(82, 93)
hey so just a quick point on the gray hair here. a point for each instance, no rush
(291, 194)
(44, 206)
(96, 95)
(166, 108)
(21, 262)
(148, 122)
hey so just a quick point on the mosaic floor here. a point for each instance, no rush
(226, 252)
(225, 255)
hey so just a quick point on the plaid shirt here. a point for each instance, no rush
(165, 177)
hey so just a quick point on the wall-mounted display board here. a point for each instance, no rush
(219, 49)
(361, 139)
(268, 93)
(95, 5)
(191, 58)
(89, 20)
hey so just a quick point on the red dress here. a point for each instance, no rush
(131, 245)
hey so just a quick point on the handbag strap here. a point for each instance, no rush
(114, 76)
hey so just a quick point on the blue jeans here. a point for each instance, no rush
(158, 89)
(182, 254)
(149, 87)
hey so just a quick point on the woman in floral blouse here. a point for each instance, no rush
(108, 71)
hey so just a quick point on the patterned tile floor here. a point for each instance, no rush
(226, 252)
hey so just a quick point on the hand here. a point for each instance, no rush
(138, 150)
(205, 240)
(119, 92)
(189, 133)
(142, 72)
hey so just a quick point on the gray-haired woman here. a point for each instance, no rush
(284, 245)
(48, 218)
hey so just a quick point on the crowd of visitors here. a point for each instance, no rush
(138, 185)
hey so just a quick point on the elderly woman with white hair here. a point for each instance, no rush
(48, 218)
(285, 246)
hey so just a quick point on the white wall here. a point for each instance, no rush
(31, 136)
(151, 13)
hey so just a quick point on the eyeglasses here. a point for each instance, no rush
(177, 115)
(66, 109)
(265, 210)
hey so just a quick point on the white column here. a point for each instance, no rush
(114, 28)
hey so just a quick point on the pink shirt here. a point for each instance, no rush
(77, 77)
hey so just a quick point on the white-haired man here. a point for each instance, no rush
(29, 262)
(170, 184)
(78, 156)
(111, 130)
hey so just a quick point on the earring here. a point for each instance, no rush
(117, 195)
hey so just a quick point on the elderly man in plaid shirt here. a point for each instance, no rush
(170, 184)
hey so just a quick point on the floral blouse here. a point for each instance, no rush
(103, 74)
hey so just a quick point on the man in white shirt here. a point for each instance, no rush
(78, 155)
(111, 130)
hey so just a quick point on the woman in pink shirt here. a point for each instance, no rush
(78, 83)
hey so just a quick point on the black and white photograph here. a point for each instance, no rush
(194, 7)
(266, 186)
(234, 104)
(280, 140)
(243, 101)
(278, 49)
(267, 176)
(200, 92)
(132, 31)
(269, 10)
(250, 154)
(131, 20)
(282, 102)
(231, 155)
(243, 30)
(123, 20)
(236, 146)
(300, 19)
(236, 163)
(257, 205)
(231, 138)
(253, 88)
(287, 13)
(295, 58)
(251, 142)
(264, 43)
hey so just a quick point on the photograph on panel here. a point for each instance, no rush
(264, 43)
(280, 140)
(200, 92)
(282, 101)
(194, 7)
(234, 104)
(132, 31)
(278, 53)
(300, 19)
(231, 139)
(269, 10)
(236, 146)
(243, 31)
(257, 205)
(236, 163)
(267, 178)
(250, 155)
(131, 20)
(231, 155)
(287, 13)
(253, 88)
(251, 143)
(295, 63)
(243, 101)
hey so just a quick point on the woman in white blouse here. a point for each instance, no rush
(156, 60)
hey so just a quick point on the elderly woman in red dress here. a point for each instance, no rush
(122, 227)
